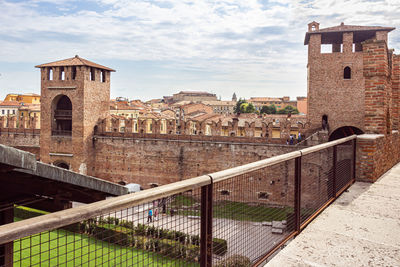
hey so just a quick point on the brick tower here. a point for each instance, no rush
(75, 93)
(338, 77)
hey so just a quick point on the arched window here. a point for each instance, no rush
(62, 112)
(347, 73)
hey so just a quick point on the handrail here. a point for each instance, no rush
(312, 149)
(17, 230)
(226, 174)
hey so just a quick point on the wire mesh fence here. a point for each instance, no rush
(163, 232)
(253, 212)
(241, 215)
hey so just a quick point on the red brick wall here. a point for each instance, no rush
(342, 100)
(376, 154)
(90, 101)
(144, 161)
(377, 87)
(24, 139)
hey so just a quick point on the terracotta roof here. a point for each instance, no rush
(346, 28)
(32, 107)
(353, 28)
(74, 61)
(115, 105)
(206, 117)
(10, 103)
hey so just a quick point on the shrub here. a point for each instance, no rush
(140, 229)
(235, 260)
(220, 246)
(195, 240)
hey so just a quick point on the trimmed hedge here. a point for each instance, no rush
(220, 246)
(140, 235)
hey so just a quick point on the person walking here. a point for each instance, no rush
(150, 216)
(156, 215)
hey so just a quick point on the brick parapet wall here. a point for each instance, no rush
(377, 87)
(24, 139)
(376, 154)
(395, 91)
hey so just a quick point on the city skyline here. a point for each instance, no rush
(252, 48)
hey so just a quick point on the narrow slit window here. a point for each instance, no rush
(73, 73)
(50, 74)
(92, 74)
(62, 74)
(103, 76)
(347, 73)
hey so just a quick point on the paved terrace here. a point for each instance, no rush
(361, 228)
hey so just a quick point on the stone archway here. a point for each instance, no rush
(344, 132)
(61, 116)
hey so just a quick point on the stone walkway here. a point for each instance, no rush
(361, 228)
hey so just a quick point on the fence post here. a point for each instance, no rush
(7, 249)
(206, 225)
(334, 172)
(297, 194)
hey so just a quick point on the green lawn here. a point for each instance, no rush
(63, 248)
(182, 200)
(235, 210)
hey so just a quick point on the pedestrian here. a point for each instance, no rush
(299, 138)
(156, 215)
(287, 141)
(291, 140)
(150, 216)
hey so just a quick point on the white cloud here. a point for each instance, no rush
(252, 43)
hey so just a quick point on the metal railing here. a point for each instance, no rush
(63, 113)
(243, 214)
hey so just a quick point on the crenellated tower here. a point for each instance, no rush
(75, 93)
(340, 96)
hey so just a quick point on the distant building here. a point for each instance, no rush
(194, 96)
(24, 98)
(9, 108)
(221, 107)
(122, 108)
(29, 111)
(279, 102)
(234, 98)
(302, 104)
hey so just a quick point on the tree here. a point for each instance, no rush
(288, 109)
(250, 108)
(271, 109)
(238, 104)
(247, 108)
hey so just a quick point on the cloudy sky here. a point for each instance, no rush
(251, 47)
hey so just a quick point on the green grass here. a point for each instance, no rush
(182, 200)
(63, 248)
(243, 212)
